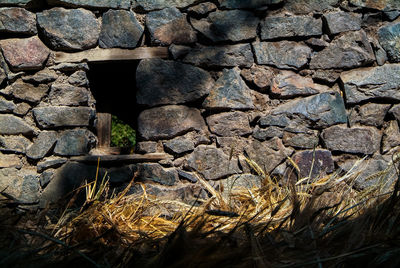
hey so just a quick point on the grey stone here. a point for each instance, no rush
(382, 82)
(327, 76)
(228, 25)
(17, 20)
(167, 122)
(69, 29)
(3, 75)
(146, 147)
(79, 79)
(170, 26)
(310, 6)
(349, 50)
(24, 54)
(22, 108)
(277, 27)
(68, 95)
(288, 84)
(21, 184)
(249, 4)
(156, 173)
(63, 116)
(14, 144)
(187, 176)
(98, 4)
(322, 110)
(392, 15)
(341, 21)
(261, 76)
(50, 162)
(319, 160)
(43, 76)
(148, 5)
(21, 3)
(178, 51)
(238, 182)
(120, 28)
(179, 145)
(42, 145)
(10, 161)
(263, 134)
(307, 140)
(317, 42)
(120, 174)
(74, 142)
(284, 54)
(383, 5)
(202, 9)
(229, 92)
(370, 114)
(6, 106)
(12, 125)
(70, 67)
(395, 111)
(279, 120)
(391, 137)
(168, 82)
(28, 92)
(229, 124)
(212, 162)
(389, 38)
(45, 178)
(363, 140)
(221, 56)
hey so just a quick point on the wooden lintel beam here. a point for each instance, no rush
(112, 54)
(130, 158)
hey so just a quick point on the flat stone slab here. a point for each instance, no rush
(42, 145)
(6, 106)
(95, 4)
(383, 5)
(249, 4)
(370, 114)
(320, 161)
(68, 95)
(28, 92)
(13, 125)
(382, 82)
(21, 184)
(17, 20)
(69, 29)
(149, 5)
(168, 82)
(16, 144)
(63, 116)
(341, 21)
(24, 54)
(389, 38)
(229, 124)
(154, 172)
(74, 142)
(310, 6)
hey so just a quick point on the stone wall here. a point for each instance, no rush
(266, 78)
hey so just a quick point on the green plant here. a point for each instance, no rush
(122, 134)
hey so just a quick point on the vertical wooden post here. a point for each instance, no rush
(104, 129)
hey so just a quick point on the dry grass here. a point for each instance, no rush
(319, 222)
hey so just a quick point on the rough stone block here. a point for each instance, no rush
(249, 4)
(6, 106)
(383, 5)
(320, 160)
(370, 114)
(149, 5)
(12, 125)
(17, 20)
(229, 124)
(28, 92)
(42, 145)
(63, 116)
(68, 95)
(74, 142)
(98, 4)
(21, 184)
(389, 38)
(43, 76)
(310, 6)
(179, 145)
(156, 173)
(261, 76)
(341, 21)
(10, 161)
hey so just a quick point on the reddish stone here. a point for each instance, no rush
(321, 162)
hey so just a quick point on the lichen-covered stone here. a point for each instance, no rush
(149, 5)
(167, 122)
(284, 54)
(278, 27)
(221, 56)
(170, 26)
(69, 29)
(68, 95)
(370, 114)
(382, 82)
(156, 173)
(17, 20)
(14, 144)
(229, 92)
(42, 145)
(168, 82)
(120, 28)
(341, 21)
(63, 116)
(24, 54)
(12, 125)
(228, 25)
(358, 139)
(98, 4)
(389, 38)
(74, 142)
(28, 92)
(229, 124)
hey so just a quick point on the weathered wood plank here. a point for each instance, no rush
(130, 158)
(104, 129)
(112, 54)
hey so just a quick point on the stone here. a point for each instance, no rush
(310, 6)
(92, 4)
(68, 95)
(293, 26)
(319, 160)
(279, 120)
(10, 161)
(212, 163)
(63, 116)
(12, 125)
(6, 106)
(42, 145)
(187, 176)
(228, 25)
(78, 79)
(17, 20)
(341, 21)
(348, 50)
(263, 134)
(391, 137)
(316, 42)
(21, 3)
(70, 67)
(45, 178)
(306, 140)
(28, 92)
(24, 54)
(389, 38)
(370, 114)
(326, 76)
(167, 122)
(288, 84)
(358, 139)
(383, 5)
(120, 28)
(392, 15)
(50, 162)
(14, 144)
(178, 51)
(43, 76)
(229, 124)
(22, 108)
(74, 142)
(395, 111)
(238, 182)
(250, 4)
(170, 26)
(323, 110)
(117, 175)
(229, 92)
(179, 145)
(167, 82)
(3, 75)
(22, 184)
(149, 5)
(68, 29)
(146, 147)
(153, 172)
(221, 56)
(202, 9)
(382, 82)
(260, 76)
(283, 54)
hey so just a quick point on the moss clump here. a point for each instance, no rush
(122, 134)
